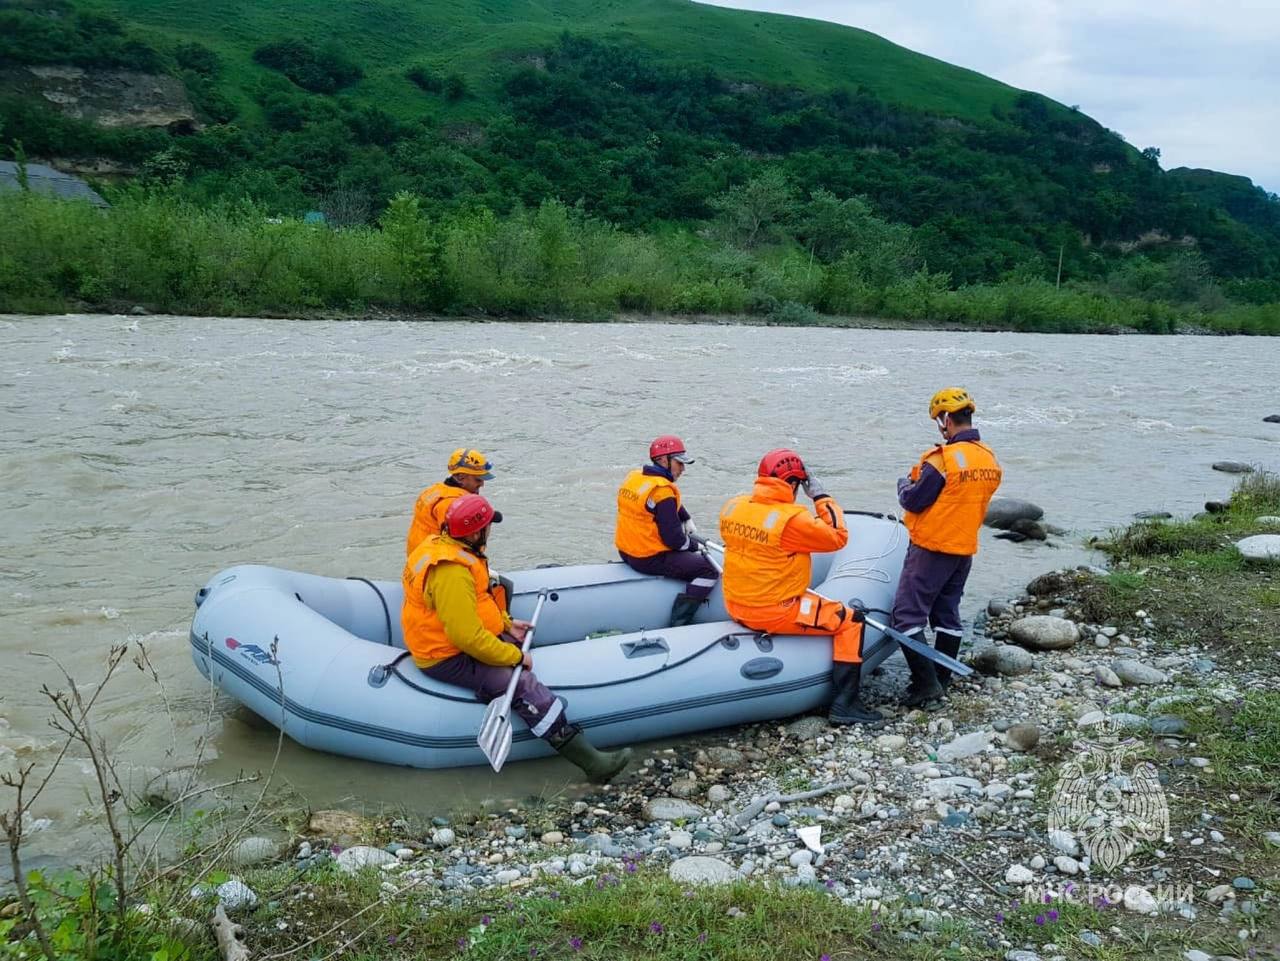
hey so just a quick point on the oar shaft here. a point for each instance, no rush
(524, 649)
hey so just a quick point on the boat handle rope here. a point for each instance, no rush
(386, 611)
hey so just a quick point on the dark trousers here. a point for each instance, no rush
(689, 566)
(537, 706)
(930, 590)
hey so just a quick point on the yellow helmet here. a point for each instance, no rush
(950, 400)
(465, 460)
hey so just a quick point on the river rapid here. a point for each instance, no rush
(141, 455)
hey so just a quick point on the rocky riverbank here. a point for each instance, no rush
(951, 833)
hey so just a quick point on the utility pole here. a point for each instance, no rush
(1058, 286)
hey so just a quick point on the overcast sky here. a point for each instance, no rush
(1200, 79)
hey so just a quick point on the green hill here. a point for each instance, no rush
(657, 116)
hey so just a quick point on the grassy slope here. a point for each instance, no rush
(472, 36)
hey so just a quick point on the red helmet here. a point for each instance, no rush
(468, 514)
(783, 463)
(669, 444)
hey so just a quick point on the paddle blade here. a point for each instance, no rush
(495, 733)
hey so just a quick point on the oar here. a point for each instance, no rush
(495, 729)
(906, 640)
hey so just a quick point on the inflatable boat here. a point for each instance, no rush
(323, 658)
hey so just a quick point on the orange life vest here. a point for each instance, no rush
(950, 524)
(636, 533)
(424, 634)
(428, 513)
(757, 571)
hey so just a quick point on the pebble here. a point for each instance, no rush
(780, 821)
(1023, 737)
(1064, 841)
(553, 837)
(443, 837)
(1091, 939)
(1004, 659)
(1037, 863)
(1018, 874)
(507, 876)
(803, 856)
(670, 809)
(235, 895)
(698, 869)
(1105, 676)
(1021, 955)
(683, 788)
(1139, 900)
(1243, 884)
(362, 856)
(1044, 632)
(718, 794)
(890, 743)
(1167, 724)
(966, 746)
(1272, 837)
(516, 832)
(1194, 955)
(680, 840)
(1135, 672)
(254, 850)
(1066, 865)
(726, 757)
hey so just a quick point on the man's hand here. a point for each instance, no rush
(519, 629)
(697, 542)
(690, 528)
(527, 660)
(813, 487)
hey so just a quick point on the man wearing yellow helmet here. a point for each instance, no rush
(468, 470)
(945, 498)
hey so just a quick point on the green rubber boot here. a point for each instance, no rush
(683, 610)
(600, 767)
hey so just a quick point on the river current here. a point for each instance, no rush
(140, 455)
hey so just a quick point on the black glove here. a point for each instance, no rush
(813, 487)
(857, 612)
(697, 542)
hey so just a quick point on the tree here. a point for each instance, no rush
(755, 212)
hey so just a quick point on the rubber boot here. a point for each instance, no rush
(924, 686)
(949, 645)
(847, 706)
(600, 767)
(683, 609)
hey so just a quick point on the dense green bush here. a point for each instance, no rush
(318, 69)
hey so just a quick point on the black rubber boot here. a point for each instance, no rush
(949, 645)
(600, 767)
(924, 686)
(847, 706)
(684, 608)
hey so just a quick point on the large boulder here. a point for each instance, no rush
(1044, 632)
(702, 870)
(1003, 511)
(1260, 547)
(1232, 467)
(1003, 659)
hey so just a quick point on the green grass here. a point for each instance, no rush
(1242, 738)
(474, 37)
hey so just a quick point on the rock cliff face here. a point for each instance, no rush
(108, 98)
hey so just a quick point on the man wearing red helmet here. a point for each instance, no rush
(655, 534)
(458, 633)
(768, 538)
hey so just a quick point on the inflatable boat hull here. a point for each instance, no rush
(323, 658)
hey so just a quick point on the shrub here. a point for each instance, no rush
(318, 69)
(425, 78)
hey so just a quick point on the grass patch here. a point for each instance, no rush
(1241, 738)
(1257, 493)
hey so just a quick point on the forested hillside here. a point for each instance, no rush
(755, 133)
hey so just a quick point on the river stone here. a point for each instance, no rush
(670, 809)
(1044, 632)
(890, 743)
(684, 787)
(726, 757)
(442, 837)
(1018, 874)
(1135, 672)
(1105, 676)
(1232, 467)
(966, 746)
(361, 856)
(553, 837)
(996, 606)
(1023, 737)
(1066, 864)
(1167, 724)
(1031, 530)
(1003, 659)
(1268, 520)
(1003, 511)
(698, 869)
(807, 728)
(1064, 841)
(718, 794)
(945, 787)
(1271, 419)
(1139, 900)
(336, 824)
(1153, 515)
(254, 851)
(1260, 547)
(235, 895)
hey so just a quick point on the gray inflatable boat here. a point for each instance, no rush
(323, 657)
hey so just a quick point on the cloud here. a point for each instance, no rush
(1200, 82)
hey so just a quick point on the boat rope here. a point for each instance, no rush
(386, 611)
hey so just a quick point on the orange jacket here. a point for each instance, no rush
(449, 608)
(428, 513)
(636, 533)
(768, 539)
(951, 523)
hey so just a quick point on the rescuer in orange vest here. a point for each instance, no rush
(945, 497)
(768, 539)
(458, 633)
(655, 534)
(468, 470)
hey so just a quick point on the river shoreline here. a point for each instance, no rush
(822, 321)
(932, 830)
